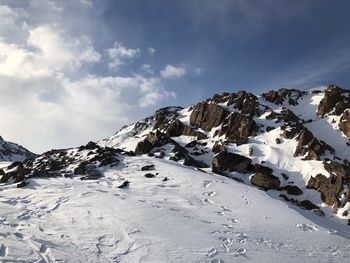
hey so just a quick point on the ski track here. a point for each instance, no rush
(193, 217)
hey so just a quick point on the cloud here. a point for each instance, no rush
(151, 50)
(49, 98)
(119, 54)
(171, 72)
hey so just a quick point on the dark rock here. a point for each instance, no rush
(165, 179)
(258, 168)
(332, 96)
(237, 128)
(330, 188)
(266, 181)
(285, 176)
(274, 97)
(207, 115)
(80, 169)
(293, 190)
(149, 175)
(218, 147)
(230, 162)
(147, 167)
(344, 124)
(177, 128)
(22, 184)
(308, 205)
(278, 141)
(309, 145)
(269, 128)
(124, 184)
(143, 147)
(191, 144)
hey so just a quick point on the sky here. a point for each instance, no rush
(75, 71)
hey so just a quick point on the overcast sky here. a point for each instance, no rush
(74, 71)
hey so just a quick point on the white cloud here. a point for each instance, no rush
(46, 89)
(147, 69)
(151, 50)
(119, 54)
(173, 72)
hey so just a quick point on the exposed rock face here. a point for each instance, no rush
(309, 145)
(157, 139)
(243, 101)
(265, 180)
(66, 162)
(278, 97)
(330, 188)
(344, 124)
(207, 115)
(230, 162)
(177, 128)
(237, 128)
(332, 99)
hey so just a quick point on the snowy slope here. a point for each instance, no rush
(10, 152)
(192, 217)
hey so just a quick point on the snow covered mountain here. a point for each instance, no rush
(237, 177)
(10, 152)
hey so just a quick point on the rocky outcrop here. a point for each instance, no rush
(157, 139)
(330, 188)
(333, 101)
(207, 115)
(243, 101)
(13, 152)
(177, 128)
(237, 128)
(280, 96)
(230, 162)
(265, 180)
(344, 124)
(84, 160)
(310, 147)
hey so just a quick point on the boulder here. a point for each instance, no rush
(266, 181)
(230, 162)
(293, 190)
(310, 147)
(207, 115)
(330, 188)
(344, 124)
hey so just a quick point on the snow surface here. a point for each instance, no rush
(192, 217)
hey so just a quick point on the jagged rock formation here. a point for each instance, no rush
(310, 147)
(84, 160)
(13, 152)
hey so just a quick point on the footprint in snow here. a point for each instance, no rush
(241, 238)
(239, 252)
(212, 252)
(224, 208)
(306, 227)
(208, 201)
(210, 194)
(207, 184)
(233, 220)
